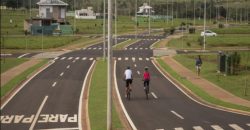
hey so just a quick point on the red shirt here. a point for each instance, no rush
(146, 76)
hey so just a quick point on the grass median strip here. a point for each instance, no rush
(199, 92)
(98, 100)
(8, 63)
(20, 78)
(124, 44)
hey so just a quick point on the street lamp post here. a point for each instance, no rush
(204, 39)
(136, 20)
(104, 29)
(109, 83)
(149, 19)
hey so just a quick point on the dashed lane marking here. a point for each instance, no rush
(135, 65)
(154, 95)
(63, 58)
(179, 128)
(74, 128)
(62, 74)
(84, 58)
(91, 58)
(133, 59)
(119, 58)
(248, 124)
(138, 72)
(140, 58)
(178, 115)
(147, 59)
(68, 67)
(54, 84)
(70, 58)
(126, 58)
(77, 58)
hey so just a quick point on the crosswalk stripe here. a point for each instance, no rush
(248, 124)
(63, 58)
(198, 128)
(236, 127)
(89, 48)
(70, 58)
(126, 48)
(100, 48)
(136, 48)
(179, 128)
(141, 48)
(77, 58)
(140, 58)
(216, 127)
(133, 58)
(94, 48)
(91, 58)
(147, 59)
(130, 48)
(146, 48)
(84, 58)
(126, 58)
(84, 48)
(56, 58)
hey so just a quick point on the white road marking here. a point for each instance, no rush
(126, 48)
(135, 65)
(94, 48)
(133, 59)
(147, 59)
(23, 55)
(84, 58)
(154, 95)
(74, 61)
(179, 128)
(77, 58)
(248, 124)
(6, 54)
(126, 58)
(54, 84)
(63, 58)
(141, 48)
(198, 128)
(70, 58)
(159, 129)
(236, 127)
(68, 66)
(146, 48)
(75, 128)
(100, 48)
(178, 115)
(140, 58)
(136, 48)
(138, 72)
(56, 58)
(216, 127)
(38, 113)
(61, 74)
(130, 48)
(119, 58)
(89, 48)
(91, 58)
(84, 48)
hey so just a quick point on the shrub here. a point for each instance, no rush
(214, 22)
(172, 30)
(221, 25)
(188, 44)
(192, 30)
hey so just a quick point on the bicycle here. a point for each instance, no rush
(128, 92)
(146, 89)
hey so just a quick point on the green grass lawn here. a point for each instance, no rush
(8, 63)
(37, 42)
(20, 78)
(197, 91)
(234, 84)
(98, 100)
(233, 30)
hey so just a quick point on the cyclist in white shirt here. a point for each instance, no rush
(128, 78)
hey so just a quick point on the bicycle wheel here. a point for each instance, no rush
(146, 92)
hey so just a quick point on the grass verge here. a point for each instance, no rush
(235, 84)
(8, 63)
(124, 44)
(20, 78)
(98, 100)
(199, 92)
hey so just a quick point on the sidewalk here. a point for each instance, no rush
(13, 72)
(207, 86)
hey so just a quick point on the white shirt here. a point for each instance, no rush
(128, 74)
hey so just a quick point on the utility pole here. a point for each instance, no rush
(115, 22)
(172, 12)
(149, 19)
(136, 20)
(74, 17)
(227, 13)
(204, 39)
(194, 13)
(104, 30)
(109, 83)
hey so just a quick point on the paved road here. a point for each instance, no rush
(168, 108)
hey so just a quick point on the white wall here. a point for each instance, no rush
(42, 11)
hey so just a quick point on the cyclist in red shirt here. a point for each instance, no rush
(146, 78)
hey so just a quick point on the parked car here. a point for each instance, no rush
(208, 33)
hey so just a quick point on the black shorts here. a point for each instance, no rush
(146, 83)
(128, 82)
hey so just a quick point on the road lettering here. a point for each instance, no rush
(43, 118)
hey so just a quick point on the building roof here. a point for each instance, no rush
(52, 2)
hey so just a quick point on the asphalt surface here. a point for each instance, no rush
(168, 108)
(51, 99)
